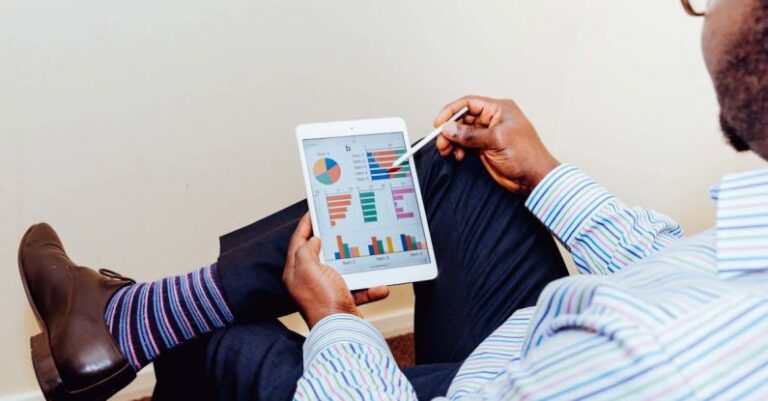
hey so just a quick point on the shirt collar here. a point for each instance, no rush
(742, 223)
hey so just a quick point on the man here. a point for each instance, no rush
(656, 316)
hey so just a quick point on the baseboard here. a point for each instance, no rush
(389, 324)
(395, 323)
(26, 396)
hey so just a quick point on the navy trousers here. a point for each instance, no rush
(493, 257)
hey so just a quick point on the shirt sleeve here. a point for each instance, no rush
(346, 358)
(579, 364)
(602, 234)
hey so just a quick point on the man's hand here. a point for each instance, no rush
(320, 290)
(508, 145)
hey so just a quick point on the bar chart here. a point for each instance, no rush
(345, 251)
(386, 245)
(338, 207)
(368, 206)
(410, 243)
(380, 164)
(398, 197)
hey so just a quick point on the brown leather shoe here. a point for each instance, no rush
(75, 357)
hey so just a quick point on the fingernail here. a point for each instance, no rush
(450, 128)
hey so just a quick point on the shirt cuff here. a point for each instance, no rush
(342, 328)
(566, 199)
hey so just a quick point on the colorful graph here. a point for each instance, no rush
(338, 205)
(410, 244)
(377, 246)
(327, 171)
(368, 204)
(380, 164)
(380, 247)
(345, 251)
(398, 196)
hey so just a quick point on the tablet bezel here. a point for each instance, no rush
(390, 276)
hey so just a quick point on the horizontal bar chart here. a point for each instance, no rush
(338, 206)
(368, 206)
(380, 164)
(398, 196)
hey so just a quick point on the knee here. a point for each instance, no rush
(433, 170)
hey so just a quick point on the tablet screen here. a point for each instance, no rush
(367, 211)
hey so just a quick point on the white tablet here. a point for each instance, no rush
(369, 216)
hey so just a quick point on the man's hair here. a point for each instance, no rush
(741, 82)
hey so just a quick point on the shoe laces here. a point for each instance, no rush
(116, 276)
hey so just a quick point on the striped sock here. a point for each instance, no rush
(149, 318)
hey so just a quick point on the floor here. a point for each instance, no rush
(402, 350)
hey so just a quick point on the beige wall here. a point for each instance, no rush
(142, 130)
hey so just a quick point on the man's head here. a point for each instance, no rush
(735, 44)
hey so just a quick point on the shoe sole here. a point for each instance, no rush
(48, 377)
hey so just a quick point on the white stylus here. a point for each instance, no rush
(427, 139)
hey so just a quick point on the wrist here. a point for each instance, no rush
(541, 170)
(315, 316)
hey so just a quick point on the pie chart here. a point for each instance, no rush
(327, 171)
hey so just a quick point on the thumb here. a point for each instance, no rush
(309, 252)
(314, 244)
(467, 136)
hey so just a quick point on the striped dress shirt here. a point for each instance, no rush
(653, 314)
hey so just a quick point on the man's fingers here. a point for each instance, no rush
(469, 119)
(304, 229)
(315, 243)
(377, 293)
(478, 107)
(459, 154)
(468, 136)
(309, 253)
(298, 238)
(370, 295)
(498, 177)
(443, 145)
(300, 235)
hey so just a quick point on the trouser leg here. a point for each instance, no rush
(251, 266)
(493, 257)
(252, 361)
(258, 361)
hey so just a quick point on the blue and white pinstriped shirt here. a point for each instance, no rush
(653, 314)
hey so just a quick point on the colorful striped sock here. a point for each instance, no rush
(147, 319)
